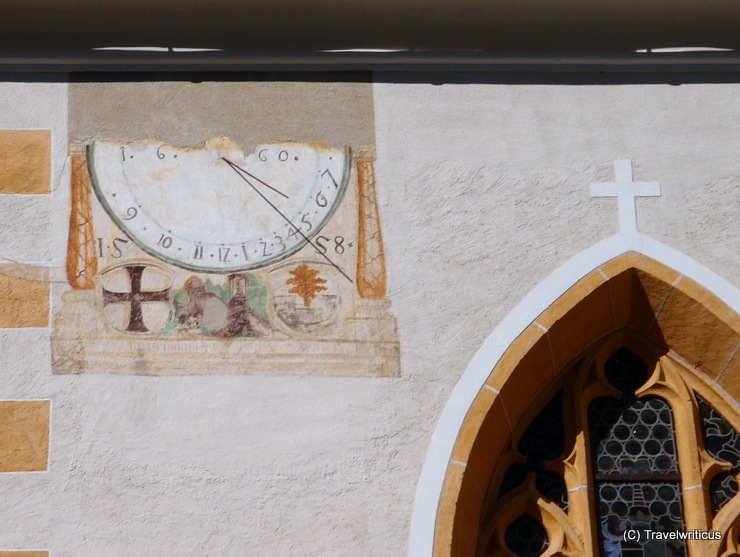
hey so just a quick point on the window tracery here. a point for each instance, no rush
(631, 438)
(722, 441)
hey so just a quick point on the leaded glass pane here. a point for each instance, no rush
(514, 477)
(722, 442)
(543, 440)
(625, 371)
(640, 506)
(526, 537)
(723, 487)
(631, 436)
(553, 487)
(633, 451)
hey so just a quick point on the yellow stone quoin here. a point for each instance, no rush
(24, 435)
(24, 302)
(25, 161)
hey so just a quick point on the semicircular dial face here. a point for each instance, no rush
(215, 209)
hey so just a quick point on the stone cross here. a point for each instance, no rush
(625, 190)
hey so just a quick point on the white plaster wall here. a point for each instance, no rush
(484, 191)
(35, 232)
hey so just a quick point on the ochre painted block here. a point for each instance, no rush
(588, 320)
(620, 294)
(23, 302)
(570, 299)
(526, 381)
(457, 517)
(24, 554)
(696, 333)
(24, 435)
(530, 350)
(621, 263)
(730, 380)
(708, 300)
(25, 161)
(465, 531)
(647, 298)
(484, 433)
(658, 270)
(446, 510)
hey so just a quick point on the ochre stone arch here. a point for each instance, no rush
(631, 293)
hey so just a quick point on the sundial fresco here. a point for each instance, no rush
(210, 260)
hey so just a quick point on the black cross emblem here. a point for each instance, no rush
(136, 298)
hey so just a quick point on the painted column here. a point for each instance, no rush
(82, 263)
(371, 278)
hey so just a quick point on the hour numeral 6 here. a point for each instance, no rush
(321, 201)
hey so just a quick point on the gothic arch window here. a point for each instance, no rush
(629, 439)
(505, 477)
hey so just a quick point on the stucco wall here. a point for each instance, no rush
(484, 190)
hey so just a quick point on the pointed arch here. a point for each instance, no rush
(627, 292)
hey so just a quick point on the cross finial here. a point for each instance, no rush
(625, 190)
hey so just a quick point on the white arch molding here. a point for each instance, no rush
(429, 489)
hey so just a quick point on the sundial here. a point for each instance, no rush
(191, 260)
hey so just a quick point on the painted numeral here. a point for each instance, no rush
(325, 172)
(118, 253)
(320, 246)
(165, 241)
(131, 212)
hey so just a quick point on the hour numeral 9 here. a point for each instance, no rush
(131, 213)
